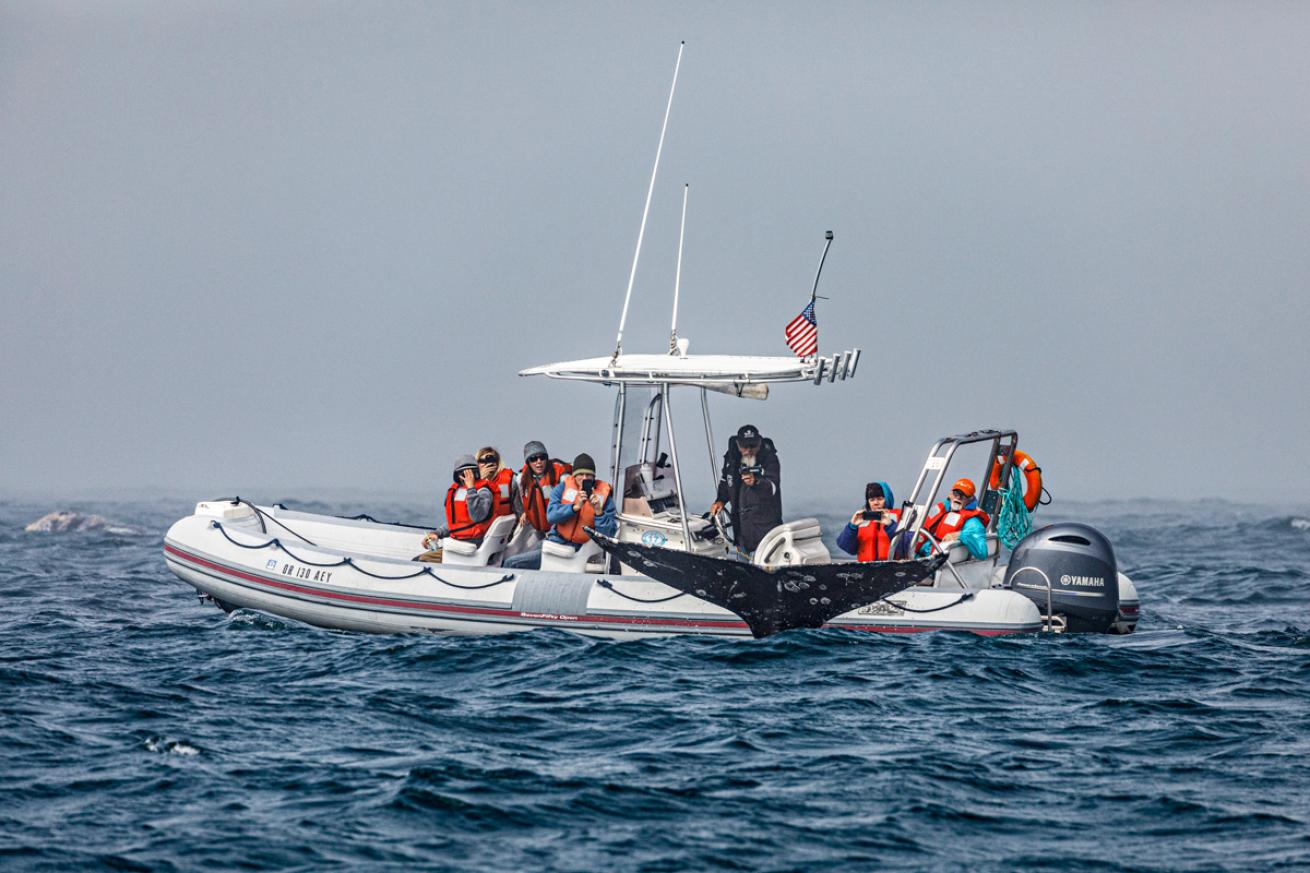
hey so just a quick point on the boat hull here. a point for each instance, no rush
(241, 566)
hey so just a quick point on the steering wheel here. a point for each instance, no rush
(719, 525)
(717, 520)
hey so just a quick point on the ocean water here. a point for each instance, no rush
(143, 730)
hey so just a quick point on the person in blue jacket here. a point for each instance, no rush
(871, 532)
(958, 518)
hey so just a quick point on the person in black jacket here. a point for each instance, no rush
(749, 449)
(759, 509)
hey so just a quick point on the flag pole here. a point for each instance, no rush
(814, 292)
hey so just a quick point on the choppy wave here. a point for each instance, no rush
(144, 730)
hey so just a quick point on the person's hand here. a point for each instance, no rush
(597, 501)
(857, 517)
(888, 519)
(466, 478)
(953, 535)
(579, 501)
(430, 540)
(716, 507)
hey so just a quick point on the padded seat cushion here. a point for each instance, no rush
(559, 550)
(459, 547)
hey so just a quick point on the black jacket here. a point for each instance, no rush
(759, 509)
(730, 485)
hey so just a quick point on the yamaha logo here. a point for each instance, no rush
(1082, 581)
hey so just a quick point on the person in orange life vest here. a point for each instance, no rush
(870, 539)
(575, 504)
(469, 504)
(539, 476)
(504, 487)
(959, 518)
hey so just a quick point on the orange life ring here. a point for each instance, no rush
(1032, 477)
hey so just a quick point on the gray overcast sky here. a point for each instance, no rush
(262, 246)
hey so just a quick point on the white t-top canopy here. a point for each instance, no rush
(700, 369)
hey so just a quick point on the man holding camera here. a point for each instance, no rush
(581, 501)
(748, 451)
(758, 507)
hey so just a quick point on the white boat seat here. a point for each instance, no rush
(655, 485)
(462, 553)
(562, 558)
(791, 543)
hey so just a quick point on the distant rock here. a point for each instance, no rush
(68, 521)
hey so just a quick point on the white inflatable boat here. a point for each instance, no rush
(359, 574)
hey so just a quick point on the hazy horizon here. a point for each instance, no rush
(244, 246)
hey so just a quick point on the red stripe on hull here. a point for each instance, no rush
(443, 607)
(516, 614)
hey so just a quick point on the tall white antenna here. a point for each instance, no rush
(677, 277)
(632, 276)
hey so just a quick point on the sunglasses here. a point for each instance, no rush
(488, 459)
(535, 458)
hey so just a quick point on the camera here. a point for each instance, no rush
(588, 486)
(871, 515)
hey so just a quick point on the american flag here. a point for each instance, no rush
(803, 333)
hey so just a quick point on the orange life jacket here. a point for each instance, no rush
(536, 492)
(875, 545)
(462, 527)
(946, 520)
(502, 486)
(572, 529)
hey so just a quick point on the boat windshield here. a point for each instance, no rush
(642, 466)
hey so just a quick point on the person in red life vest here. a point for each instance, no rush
(469, 505)
(958, 518)
(578, 502)
(539, 476)
(504, 487)
(872, 529)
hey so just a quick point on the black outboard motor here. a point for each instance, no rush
(1069, 571)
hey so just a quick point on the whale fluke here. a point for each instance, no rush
(775, 599)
